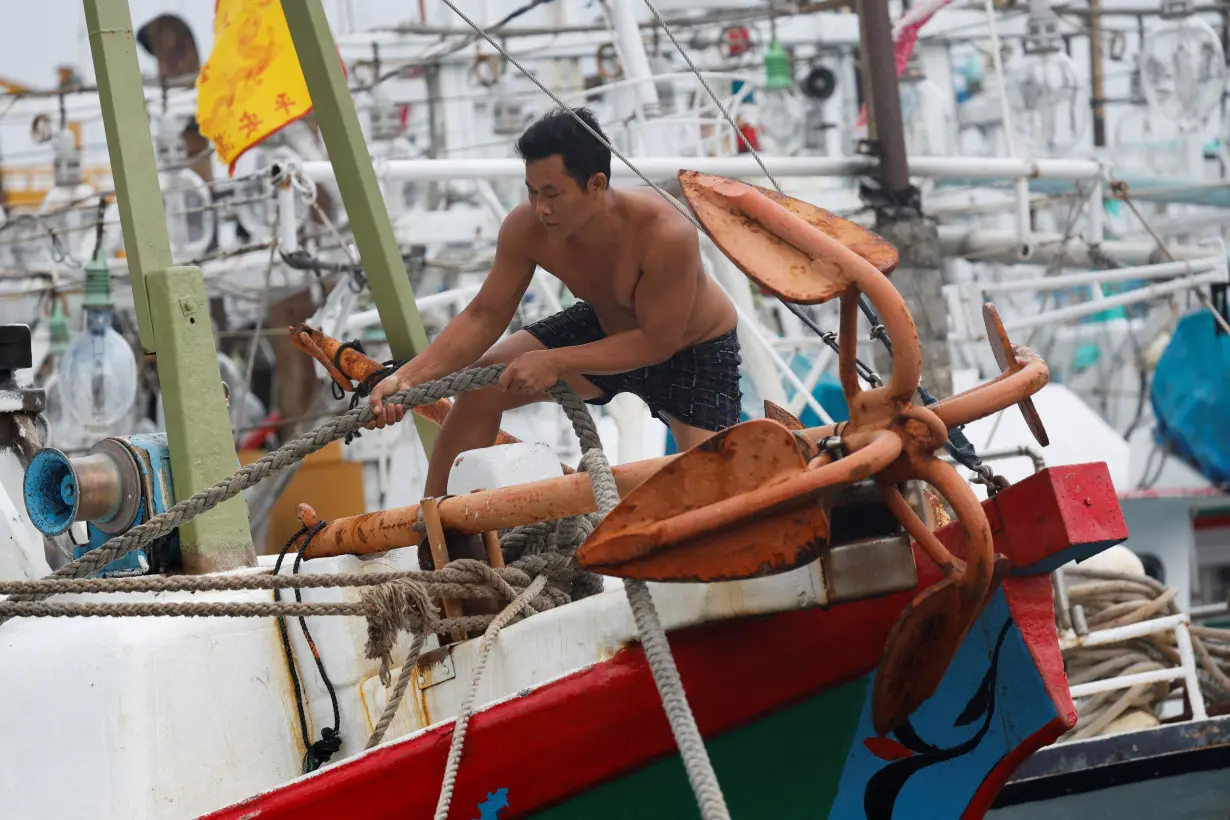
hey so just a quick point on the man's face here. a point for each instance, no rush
(560, 204)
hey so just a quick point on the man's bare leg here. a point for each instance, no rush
(474, 419)
(687, 436)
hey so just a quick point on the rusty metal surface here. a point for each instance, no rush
(435, 667)
(1023, 374)
(764, 257)
(781, 415)
(750, 466)
(1006, 358)
(475, 513)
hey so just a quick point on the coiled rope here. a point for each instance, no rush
(1112, 599)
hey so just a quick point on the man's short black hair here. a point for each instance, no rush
(558, 132)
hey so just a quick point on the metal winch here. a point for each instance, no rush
(122, 482)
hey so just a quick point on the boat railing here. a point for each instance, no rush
(1179, 623)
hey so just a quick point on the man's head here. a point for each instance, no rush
(567, 170)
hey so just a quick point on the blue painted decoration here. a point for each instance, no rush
(934, 764)
(490, 808)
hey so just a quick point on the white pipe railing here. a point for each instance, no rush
(965, 300)
(1024, 224)
(1089, 308)
(456, 296)
(1180, 624)
(1097, 215)
(742, 166)
(999, 245)
(1162, 270)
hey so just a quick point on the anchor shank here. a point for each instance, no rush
(546, 500)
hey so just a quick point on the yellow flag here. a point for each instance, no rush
(251, 86)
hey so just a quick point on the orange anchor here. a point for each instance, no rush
(755, 499)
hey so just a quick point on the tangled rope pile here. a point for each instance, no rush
(405, 603)
(1112, 599)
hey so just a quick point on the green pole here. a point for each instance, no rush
(356, 179)
(172, 311)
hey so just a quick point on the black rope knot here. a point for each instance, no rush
(319, 752)
(364, 387)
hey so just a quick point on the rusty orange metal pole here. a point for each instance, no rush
(347, 367)
(439, 556)
(495, 555)
(475, 513)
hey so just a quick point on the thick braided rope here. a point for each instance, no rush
(462, 579)
(274, 462)
(459, 579)
(456, 582)
(462, 721)
(406, 606)
(184, 609)
(665, 674)
(399, 691)
(1113, 599)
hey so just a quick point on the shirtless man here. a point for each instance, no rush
(650, 321)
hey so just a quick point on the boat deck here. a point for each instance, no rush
(1176, 772)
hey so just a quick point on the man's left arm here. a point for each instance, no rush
(663, 302)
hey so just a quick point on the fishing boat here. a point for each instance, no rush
(901, 648)
(818, 608)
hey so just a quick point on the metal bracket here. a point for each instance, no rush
(435, 667)
(1175, 9)
(1042, 35)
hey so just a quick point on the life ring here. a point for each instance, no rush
(820, 83)
(735, 41)
(41, 129)
(610, 67)
(487, 69)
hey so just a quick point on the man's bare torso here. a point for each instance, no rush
(605, 272)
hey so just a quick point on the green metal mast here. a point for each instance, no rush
(356, 179)
(171, 306)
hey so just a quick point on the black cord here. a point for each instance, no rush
(330, 742)
(364, 388)
(958, 445)
(302, 260)
(830, 338)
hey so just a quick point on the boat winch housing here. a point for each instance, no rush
(121, 482)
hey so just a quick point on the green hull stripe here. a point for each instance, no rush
(784, 766)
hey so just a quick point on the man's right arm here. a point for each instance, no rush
(480, 324)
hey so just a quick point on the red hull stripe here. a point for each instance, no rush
(562, 738)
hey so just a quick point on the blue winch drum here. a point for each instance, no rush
(102, 487)
(50, 490)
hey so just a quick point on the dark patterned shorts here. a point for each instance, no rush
(698, 386)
